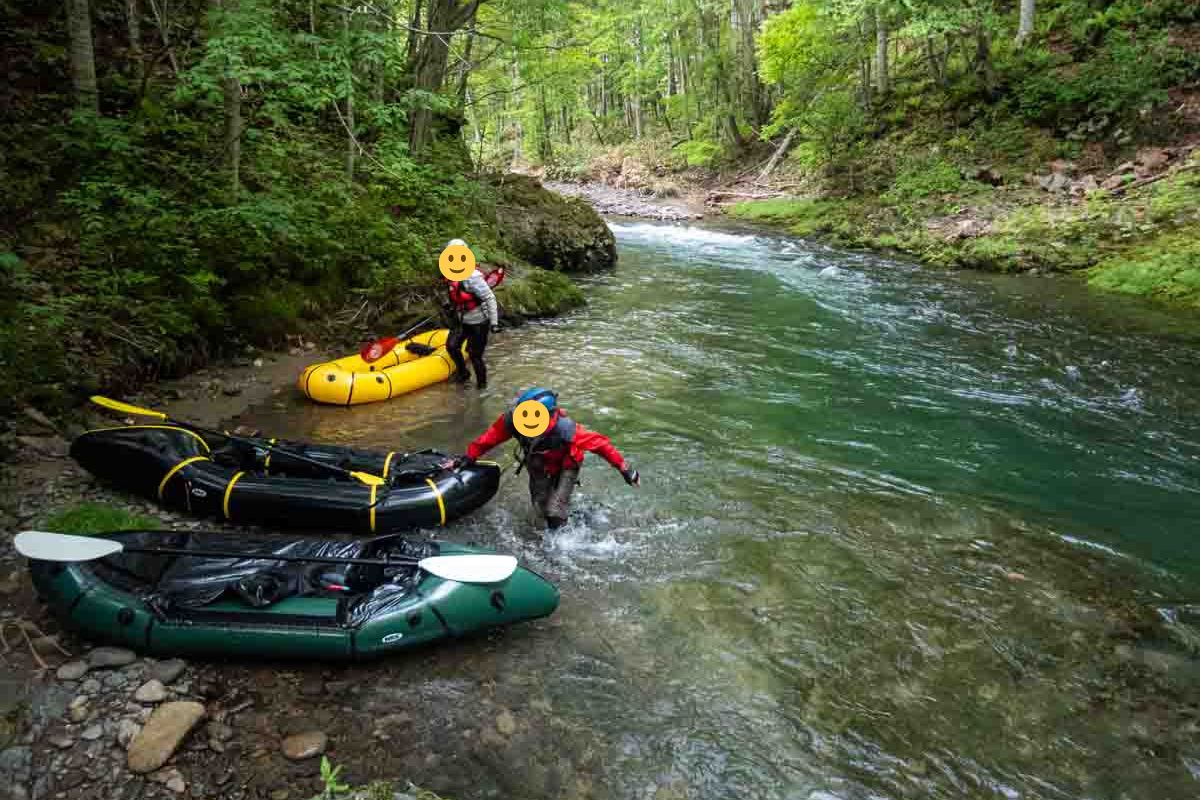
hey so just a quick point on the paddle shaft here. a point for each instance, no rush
(180, 551)
(366, 348)
(271, 447)
(425, 321)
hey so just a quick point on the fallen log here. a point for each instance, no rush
(1153, 179)
(716, 197)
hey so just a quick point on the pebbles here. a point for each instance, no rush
(72, 671)
(619, 202)
(163, 733)
(152, 691)
(79, 710)
(61, 741)
(127, 731)
(103, 657)
(304, 745)
(167, 672)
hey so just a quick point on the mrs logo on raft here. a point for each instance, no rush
(392, 637)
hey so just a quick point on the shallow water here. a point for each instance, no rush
(902, 533)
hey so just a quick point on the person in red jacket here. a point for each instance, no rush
(553, 457)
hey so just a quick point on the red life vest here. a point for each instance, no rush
(463, 299)
(555, 447)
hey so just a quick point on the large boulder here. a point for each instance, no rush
(549, 230)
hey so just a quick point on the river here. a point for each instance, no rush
(901, 533)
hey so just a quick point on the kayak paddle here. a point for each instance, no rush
(126, 408)
(464, 568)
(373, 351)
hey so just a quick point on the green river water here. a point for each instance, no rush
(901, 533)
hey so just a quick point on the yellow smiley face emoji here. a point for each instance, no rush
(531, 418)
(456, 262)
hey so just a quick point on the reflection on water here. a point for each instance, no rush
(901, 534)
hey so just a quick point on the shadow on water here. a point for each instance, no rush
(901, 534)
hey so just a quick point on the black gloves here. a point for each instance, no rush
(458, 462)
(631, 476)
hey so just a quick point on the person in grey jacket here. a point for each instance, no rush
(474, 306)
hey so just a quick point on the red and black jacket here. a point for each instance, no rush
(562, 446)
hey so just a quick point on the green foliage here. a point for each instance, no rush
(1128, 72)
(329, 776)
(87, 518)
(699, 152)
(926, 175)
(1167, 268)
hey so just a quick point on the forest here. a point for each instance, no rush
(185, 177)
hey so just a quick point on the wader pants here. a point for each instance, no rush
(551, 494)
(476, 337)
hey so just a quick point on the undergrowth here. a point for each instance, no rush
(89, 517)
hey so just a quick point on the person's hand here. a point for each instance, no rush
(631, 476)
(458, 462)
(496, 328)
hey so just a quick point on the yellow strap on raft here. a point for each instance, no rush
(171, 472)
(373, 489)
(387, 463)
(267, 460)
(441, 506)
(229, 491)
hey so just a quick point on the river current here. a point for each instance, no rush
(901, 533)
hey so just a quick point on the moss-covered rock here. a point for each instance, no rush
(534, 293)
(550, 231)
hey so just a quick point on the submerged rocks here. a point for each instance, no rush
(551, 231)
(304, 745)
(163, 733)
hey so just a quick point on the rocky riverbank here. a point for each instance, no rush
(79, 722)
(618, 202)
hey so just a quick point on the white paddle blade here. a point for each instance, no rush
(470, 567)
(44, 546)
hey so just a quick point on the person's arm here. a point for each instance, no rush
(497, 434)
(478, 286)
(593, 442)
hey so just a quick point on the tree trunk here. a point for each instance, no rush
(778, 154)
(983, 57)
(83, 60)
(160, 18)
(545, 151)
(604, 92)
(429, 70)
(935, 62)
(637, 95)
(232, 91)
(881, 52)
(464, 72)
(133, 22)
(1025, 27)
(413, 47)
(351, 144)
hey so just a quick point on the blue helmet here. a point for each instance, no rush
(544, 396)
